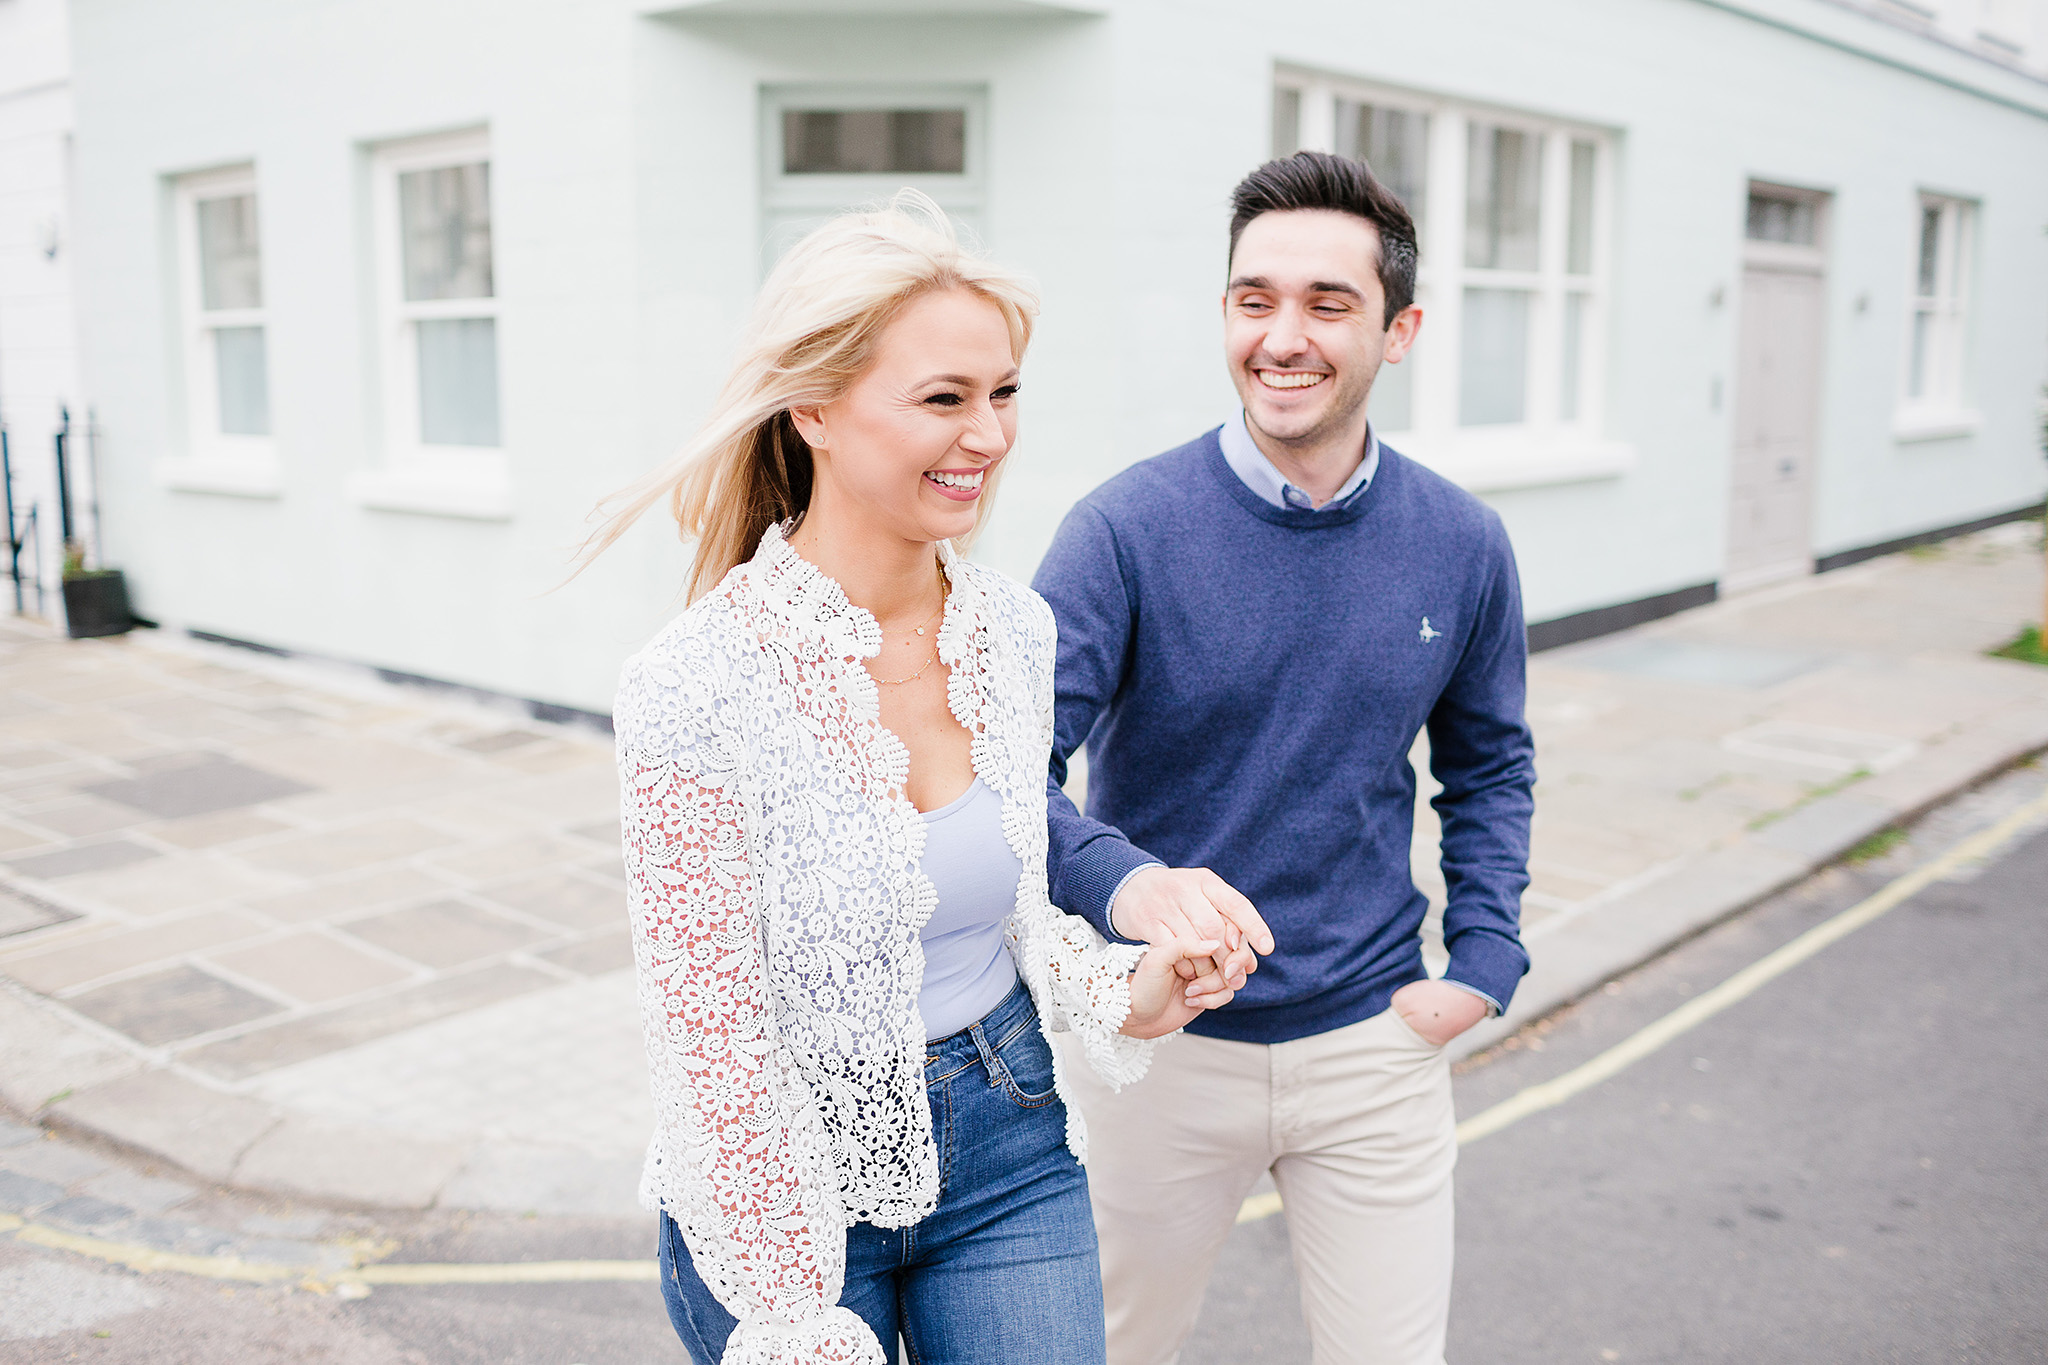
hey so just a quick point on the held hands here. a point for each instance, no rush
(1161, 1002)
(1438, 1010)
(1179, 905)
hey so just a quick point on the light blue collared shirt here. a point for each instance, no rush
(1264, 478)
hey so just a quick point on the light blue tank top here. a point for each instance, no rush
(967, 966)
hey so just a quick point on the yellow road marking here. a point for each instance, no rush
(508, 1272)
(1259, 1206)
(1549, 1094)
(149, 1260)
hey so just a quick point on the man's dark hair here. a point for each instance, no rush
(1318, 180)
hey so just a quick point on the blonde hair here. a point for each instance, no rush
(812, 334)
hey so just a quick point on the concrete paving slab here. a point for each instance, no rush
(350, 1164)
(204, 1131)
(570, 899)
(204, 787)
(316, 1035)
(313, 968)
(168, 1006)
(443, 934)
(349, 896)
(117, 950)
(176, 881)
(21, 913)
(70, 862)
(594, 956)
(74, 817)
(346, 849)
(14, 1134)
(212, 831)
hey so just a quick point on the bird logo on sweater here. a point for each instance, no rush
(1427, 633)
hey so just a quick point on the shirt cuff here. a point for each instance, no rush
(1110, 904)
(1094, 874)
(1492, 1005)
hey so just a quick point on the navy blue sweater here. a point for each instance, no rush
(1249, 680)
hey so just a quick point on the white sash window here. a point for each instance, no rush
(1504, 387)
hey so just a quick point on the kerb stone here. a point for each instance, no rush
(349, 1164)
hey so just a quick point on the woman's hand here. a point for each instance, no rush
(1161, 1002)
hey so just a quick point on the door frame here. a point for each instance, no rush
(1791, 259)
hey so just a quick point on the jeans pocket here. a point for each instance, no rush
(1025, 1064)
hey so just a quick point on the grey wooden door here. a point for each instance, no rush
(1777, 406)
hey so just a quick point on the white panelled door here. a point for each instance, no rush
(1777, 400)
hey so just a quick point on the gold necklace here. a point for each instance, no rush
(912, 639)
(898, 682)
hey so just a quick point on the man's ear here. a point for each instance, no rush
(809, 424)
(1401, 333)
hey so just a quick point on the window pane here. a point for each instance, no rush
(458, 381)
(1579, 243)
(1568, 363)
(1778, 218)
(1503, 182)
(1394, 142)
(445, 221)
(230, 264)
(1286, 122)
(1493, 379)
(243, 374)
(874, 141)
(1930, 249)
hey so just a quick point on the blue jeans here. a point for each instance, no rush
(1005, 1269)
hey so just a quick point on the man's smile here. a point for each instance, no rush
(1290, 379)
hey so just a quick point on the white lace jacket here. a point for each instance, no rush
(776, 898)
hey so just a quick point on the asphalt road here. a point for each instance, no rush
(1847, 1165)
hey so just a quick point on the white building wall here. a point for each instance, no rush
(38, 352)
(627, 169)
(304, 94)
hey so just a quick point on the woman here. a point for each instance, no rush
(833, 768)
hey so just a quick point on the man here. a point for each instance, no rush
(1252, 629)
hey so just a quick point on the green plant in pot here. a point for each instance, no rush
(95, 600)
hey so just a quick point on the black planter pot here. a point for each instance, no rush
(96, 603)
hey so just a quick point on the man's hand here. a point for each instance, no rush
(1161, 1001)
(1186, 904)
(1438, 1010)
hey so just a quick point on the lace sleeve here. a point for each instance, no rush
(743, 1157)
(1088, 976)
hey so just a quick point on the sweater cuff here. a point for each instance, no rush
(1094, 874)
(1488, 965)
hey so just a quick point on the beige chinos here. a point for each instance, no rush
(1357, 1128)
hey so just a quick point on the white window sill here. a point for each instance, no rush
(1496, 464)
(427, 493)
(227, 475)
(1936, 425)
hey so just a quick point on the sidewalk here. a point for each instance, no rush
(354, 944)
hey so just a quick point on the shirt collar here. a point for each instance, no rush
(1264, 478)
